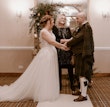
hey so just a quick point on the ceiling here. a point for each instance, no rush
(64, 1)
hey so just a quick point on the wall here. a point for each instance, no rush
(100, 23)
(99, 18)
(14, 60)
(102, 60)
(16, 44)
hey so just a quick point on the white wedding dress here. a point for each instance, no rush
(40, 81)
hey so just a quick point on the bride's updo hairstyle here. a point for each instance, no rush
(44, 20)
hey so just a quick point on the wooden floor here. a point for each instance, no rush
(99, 93)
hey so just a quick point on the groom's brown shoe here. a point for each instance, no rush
(80, 98)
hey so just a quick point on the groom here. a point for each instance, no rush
(82, 45)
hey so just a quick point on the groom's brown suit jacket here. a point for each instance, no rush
(82, 42)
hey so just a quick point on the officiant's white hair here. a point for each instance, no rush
(58, 19)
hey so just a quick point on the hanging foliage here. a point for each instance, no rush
(37, 12)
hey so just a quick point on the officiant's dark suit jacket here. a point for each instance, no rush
(82, 46)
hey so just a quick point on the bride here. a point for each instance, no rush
(40, 81)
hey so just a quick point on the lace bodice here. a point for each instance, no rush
(44, 43)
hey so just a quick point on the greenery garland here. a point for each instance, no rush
(37, 12)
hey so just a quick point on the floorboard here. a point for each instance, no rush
(99, 93)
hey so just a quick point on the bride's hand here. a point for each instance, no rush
(65, 40)
(62, 41)
(64, 47)
(67, 49)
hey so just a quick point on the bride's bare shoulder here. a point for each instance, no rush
(43, 31)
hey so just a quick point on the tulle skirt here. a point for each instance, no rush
(39, 82)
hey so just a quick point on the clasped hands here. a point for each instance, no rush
(64, 42)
